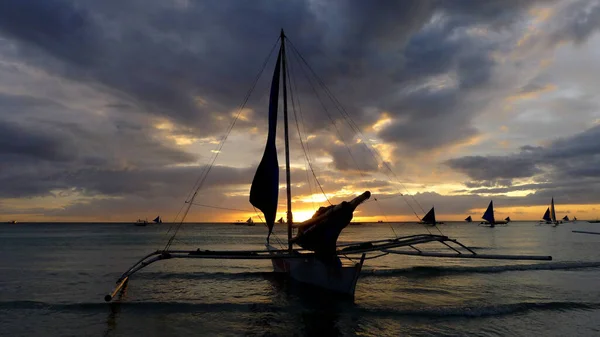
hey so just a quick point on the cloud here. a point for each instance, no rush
(568, 165)
(86, 88)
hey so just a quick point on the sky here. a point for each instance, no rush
(111, 110)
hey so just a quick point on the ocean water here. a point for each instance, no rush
(53, 278)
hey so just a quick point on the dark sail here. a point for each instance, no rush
(157, 220)
(507, 219)
(546, 216)
(489, 213)
(429, 218)
(265, 185)
(566, 218)
(469, 219)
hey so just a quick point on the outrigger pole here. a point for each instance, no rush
(384, 246)
(586, 232)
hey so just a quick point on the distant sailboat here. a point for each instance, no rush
(489, 218)
(429, 218)
(549, 217)
(249, 222)
(469, 219)
(280, 220)
(157, 220)
(566, 218)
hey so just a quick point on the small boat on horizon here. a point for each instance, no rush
(141, 222)
(145, 222)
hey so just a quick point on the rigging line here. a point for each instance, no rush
(352, 124)
(306, 160)
(174, 223)
(272, 233)
(222, 143)
(332, 122)
(307, 165)
(307, 154)
(295, 52)
(218, 207)
(300, 136)
(348, 120)
(384, 216)
(339, 106)
(341, 137)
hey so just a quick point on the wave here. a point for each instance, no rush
(486, 311)
(202, 275)
(440, 270)
(293, 309)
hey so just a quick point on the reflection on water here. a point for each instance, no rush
(53, 279)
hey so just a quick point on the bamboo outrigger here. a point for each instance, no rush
(313, 255)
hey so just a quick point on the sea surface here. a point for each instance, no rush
(53, 278)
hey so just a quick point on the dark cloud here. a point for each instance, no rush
(568, 166)
(190, 63)
(495, 167)
(579, 20)
(18, 142)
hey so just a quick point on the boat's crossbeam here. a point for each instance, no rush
(387, 246)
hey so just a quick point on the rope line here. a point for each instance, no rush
(346, 116)
(200, 181)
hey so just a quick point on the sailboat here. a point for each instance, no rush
(469, 219)
(157, 220)
(549, 217)
(250, 222)
(489, 218)
(312, 255)
(280, 220)
(553, 214)
(546, 217)
(429, 218)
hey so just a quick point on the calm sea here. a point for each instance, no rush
(53, 278)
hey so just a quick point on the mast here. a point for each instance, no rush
(287, 145)
(553, 212)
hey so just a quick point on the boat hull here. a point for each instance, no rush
(341, 280)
